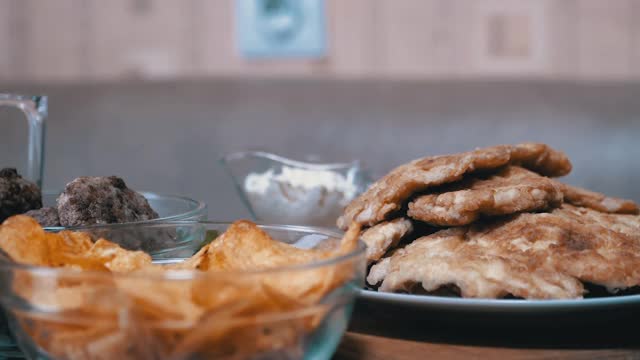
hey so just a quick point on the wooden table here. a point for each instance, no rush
(386, 333)
(359, 346)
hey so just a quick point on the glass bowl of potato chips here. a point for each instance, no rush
(249, 292)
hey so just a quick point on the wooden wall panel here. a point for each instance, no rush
(55, 40)
(141, 38)
(416, 37)
(18, 27)
(214, 36)
(605, 40)
(353, 37)
(563, 38)
(635, 39)
(405, 36)
(108, 40)
(5, 56)
(460, 28)
(510, 37)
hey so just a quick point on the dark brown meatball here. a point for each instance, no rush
(47, 216)
(17, 195)
(101, 200)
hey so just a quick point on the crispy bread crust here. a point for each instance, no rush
(585, 198)
(389, 193)
(533, 256)
(384, 236)
(512, 190)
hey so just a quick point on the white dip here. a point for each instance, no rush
(299, 196)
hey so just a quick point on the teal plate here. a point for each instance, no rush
(577, 323)
(511, 307)
(592, 321)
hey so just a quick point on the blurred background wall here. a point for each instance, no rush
(69, 40)
(155, 91)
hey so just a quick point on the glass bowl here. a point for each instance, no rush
(168, 207)
(276, 189)
(84, 325)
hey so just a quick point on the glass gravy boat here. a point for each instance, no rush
(279, 190)
(35, 111)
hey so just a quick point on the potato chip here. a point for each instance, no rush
(244, 246)
(62, 339)
(72, 242)
(61, 252)
(117, 259)
(22, 238)
(159, 299)
(223, 334)
(349, 241)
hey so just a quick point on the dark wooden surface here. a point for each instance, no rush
(386, 332)
(359, 346)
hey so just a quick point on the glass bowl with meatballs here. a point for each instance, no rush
(95, 201)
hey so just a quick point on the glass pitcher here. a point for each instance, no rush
(35, 111)
(280, 190)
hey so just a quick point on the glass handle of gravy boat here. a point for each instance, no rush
(35, 111)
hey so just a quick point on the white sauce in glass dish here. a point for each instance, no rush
(299, 196)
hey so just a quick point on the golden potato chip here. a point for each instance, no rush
(116, 258)
(114, 344)
(216, 292)
(62, 254)
(23, 239)
(55, 298)
(46, 329)
(224, 334)
(349, 241)
(159, 299)
(77, 342)
(244, 246)
(56, 294)
(192, 263)
(72, 242)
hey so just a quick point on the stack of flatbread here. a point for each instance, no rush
(493, 223)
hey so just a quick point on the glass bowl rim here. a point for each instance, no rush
(181, 275)
(287, 161)
(200, 206)
(287, 315)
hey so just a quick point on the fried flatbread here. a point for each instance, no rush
(512, 190)
(388, 194)
(627, 224)
(383, 236)
(585, 198)
(532, 256)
